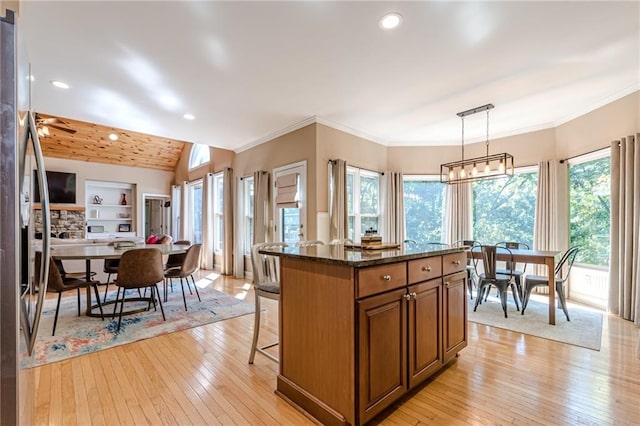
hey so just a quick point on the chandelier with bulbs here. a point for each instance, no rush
(487, 167)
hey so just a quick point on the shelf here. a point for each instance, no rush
(110, 205)
(99, 219)
(60, 207)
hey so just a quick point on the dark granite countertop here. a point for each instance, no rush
(339, 255)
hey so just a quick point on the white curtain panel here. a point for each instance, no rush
(184, 214)
(260, 206)
(458, 221)
(338, 202)
(206, 254)
(227, 217)
(624, 270)
(393, 212)
(176, 214)
(545, 227)
(238, 258)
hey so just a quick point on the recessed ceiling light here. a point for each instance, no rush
(189, 116)
(113, 136)
(390, 21)
(60, 84)
(30, 77)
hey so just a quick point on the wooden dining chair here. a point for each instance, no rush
(57, 284)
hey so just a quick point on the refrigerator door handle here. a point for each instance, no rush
(31, 133)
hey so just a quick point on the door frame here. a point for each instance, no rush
(302, 171)
(168, 220)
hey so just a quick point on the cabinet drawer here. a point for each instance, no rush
(424, 269)
(378, 279)
(454, 262)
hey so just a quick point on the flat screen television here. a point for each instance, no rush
(62, 187)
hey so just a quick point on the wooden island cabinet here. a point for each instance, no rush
(359, 329)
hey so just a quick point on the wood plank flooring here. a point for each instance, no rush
(201, 376)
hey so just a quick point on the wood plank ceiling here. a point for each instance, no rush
(90, 142)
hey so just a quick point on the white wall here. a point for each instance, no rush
(146, 180)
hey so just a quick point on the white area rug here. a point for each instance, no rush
(584, 329)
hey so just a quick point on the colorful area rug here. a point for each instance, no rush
(584, 329)
(82, 335)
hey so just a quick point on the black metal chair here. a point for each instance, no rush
(518, 270)
(266, 283)
(57, 284)
(309, 243)
(471, 264)
(533, 281)
(490, 277)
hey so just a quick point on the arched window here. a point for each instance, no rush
(199, 156)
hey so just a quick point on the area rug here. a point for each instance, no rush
(584, 329)
(82, 335)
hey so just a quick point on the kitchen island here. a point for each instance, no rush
(360, 328)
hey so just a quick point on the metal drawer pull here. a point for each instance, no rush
(414, 295)
(407, 296)
(426, 268)
(386, 277)
(456, 262)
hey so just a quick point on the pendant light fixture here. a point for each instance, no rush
(487, 167)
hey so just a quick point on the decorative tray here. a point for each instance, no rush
(383, 246)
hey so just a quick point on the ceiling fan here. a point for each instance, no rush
(44, 123)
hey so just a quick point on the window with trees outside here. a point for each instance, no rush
(590, 209)
(363, 202)
(504, 208)
(424, 208)
(195, 207)
(199, 156)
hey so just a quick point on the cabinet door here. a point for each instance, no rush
(382, 328)
(455, 314)
(425, 330)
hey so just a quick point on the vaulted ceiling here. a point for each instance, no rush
(250, 70)
(82, 141)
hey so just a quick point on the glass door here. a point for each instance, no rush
(289, 196)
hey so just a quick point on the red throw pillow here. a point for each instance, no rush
(152, 239)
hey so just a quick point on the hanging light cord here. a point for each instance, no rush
(487, 143)
(462, 138)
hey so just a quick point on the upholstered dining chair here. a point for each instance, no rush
(190, 264)
(562, 271)
(309, 243)
(266, 283)
(139, 268)
(57, 284)
(491, 278)
(66, 274)
(471, 264)
(110, 267)
(176, 260)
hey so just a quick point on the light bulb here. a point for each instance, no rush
(487, 169)
(474, 170)
(451, 174)
(463, 173)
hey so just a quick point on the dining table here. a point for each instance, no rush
(537, 257)
(89, 252)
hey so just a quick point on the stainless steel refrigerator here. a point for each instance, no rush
(21, 294)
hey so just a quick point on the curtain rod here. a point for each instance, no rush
(563, 160)
(356, 167)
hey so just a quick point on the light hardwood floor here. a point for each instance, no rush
(201, 376)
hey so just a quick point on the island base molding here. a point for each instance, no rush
(311, 406)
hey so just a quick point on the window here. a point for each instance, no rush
(199, 156)
(247, 207)
(363, 202)
(504, 209)
(218, 217)
(590, 209)
(195, 200)
(424, 208)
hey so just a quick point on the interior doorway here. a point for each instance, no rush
(156, 213)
